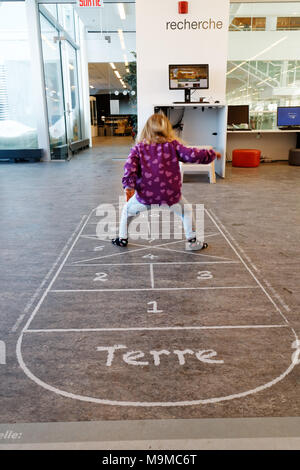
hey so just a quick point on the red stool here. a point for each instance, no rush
(246, 158)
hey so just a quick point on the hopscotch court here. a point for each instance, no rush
(153, 325)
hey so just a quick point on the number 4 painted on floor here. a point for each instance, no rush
(150, 256)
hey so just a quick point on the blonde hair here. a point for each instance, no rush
(157, 130)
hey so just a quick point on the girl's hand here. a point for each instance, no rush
(129, 192)
(218, 155)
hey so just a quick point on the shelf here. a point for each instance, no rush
(195, 104)
(263, 131)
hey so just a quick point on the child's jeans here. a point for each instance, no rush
(133, 207)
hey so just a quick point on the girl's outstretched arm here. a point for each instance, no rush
(131, 169)
(195, 155)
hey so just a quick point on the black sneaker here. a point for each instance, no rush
(123, 242)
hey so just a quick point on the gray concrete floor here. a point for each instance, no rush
(258, 211)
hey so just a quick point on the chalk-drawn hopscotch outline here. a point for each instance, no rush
(101, 401)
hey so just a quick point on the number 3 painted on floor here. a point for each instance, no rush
(204, 275)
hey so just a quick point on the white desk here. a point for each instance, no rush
(205, 124)
(273, 143)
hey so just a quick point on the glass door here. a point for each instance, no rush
(71, 91)
(61, 73)
(54, 84)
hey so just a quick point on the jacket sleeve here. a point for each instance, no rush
(194, 155)
(131, 169)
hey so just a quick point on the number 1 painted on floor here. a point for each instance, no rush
(154, 310)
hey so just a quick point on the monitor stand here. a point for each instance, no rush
(187, 97)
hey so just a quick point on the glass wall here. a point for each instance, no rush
(64, 15)
(264, 59)
(17, 116)
(58, 31)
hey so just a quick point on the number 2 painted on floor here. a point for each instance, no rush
(101, 277)
(204, 275)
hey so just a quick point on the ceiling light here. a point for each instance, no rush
(126, 60)
(116, 93)
(117, 73)
(121, 11)
(91, 86)
(127, 70)
(112, 65)
(121, 36)
(125, 92)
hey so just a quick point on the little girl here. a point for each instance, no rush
(152, 176)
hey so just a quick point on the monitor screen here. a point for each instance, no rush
(288, 116)
(188, 77)
(238, 114)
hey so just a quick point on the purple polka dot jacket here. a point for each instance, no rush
(154, 172)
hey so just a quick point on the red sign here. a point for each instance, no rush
(183, 7)
(90, 3)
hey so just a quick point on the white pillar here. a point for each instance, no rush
(83, 76)
(38, 79)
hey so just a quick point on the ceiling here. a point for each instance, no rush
(103, 78)
(108, 20)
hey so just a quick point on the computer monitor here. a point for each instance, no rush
(238, 114)
(288, 116)
(188, 77)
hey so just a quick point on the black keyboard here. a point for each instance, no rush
(293, 128)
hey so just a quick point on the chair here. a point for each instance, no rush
(121, 128)
(199, 168)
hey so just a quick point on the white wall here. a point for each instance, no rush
(158, 47)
